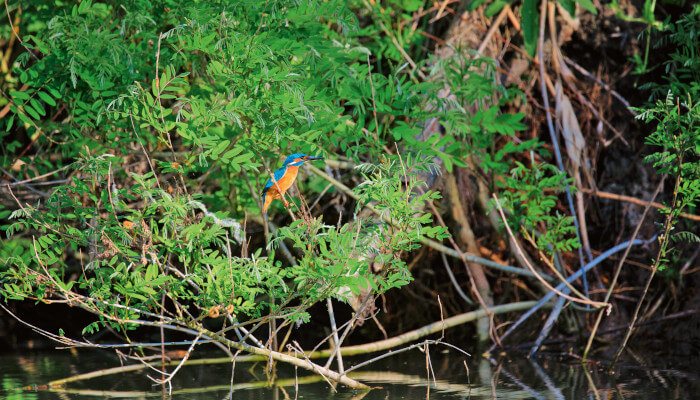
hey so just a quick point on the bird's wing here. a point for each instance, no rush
(278, 175)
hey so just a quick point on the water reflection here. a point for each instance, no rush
(401, 377)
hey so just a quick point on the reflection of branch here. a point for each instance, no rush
(275, 355)
(138, 367)
(206, 389)
(171, 375)
(472, 391)
(517, 381)
(556, 392)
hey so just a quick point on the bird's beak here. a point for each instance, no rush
(315, 158)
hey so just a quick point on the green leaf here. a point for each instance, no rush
(245, 157)
(19, 95)
(473, 4)
(530, 22)
(32, 113)
(151, 272)
(495, 7)
(25, 118)
(54, 92)
(154, 87)
(47, 99)
(569, 6)
(36, 104)
(588, 5)
(231, 153)
(10, 121)
(218, 149)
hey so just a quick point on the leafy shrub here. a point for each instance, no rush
(159, 112)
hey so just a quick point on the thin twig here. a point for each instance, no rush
(572, 278)
(492, 30)
(390, 353)
(143, 148)
(15, 32)
(171, 375)
(657, 261)
(36, 177)
(611, 288)
(601, 83)
(331, 315)
(538, 276)
(454, 281)
(374, 103)
(158, 93)
(398, 46)
(634, 200)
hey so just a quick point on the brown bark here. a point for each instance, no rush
(466, 237)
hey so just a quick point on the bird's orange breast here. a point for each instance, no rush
(286, 181)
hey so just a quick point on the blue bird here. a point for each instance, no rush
(284, 178)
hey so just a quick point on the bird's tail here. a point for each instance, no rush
(267, 200)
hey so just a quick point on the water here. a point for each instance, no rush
(401, 377)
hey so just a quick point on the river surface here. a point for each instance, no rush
(403, 376)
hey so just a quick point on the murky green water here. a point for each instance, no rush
(401, 377)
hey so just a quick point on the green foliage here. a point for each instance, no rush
(388, 28)
(677, 131)
(475, 122)
(530, 196)
(159, 109)
(203, 90)
(393, 189)
(527, 193)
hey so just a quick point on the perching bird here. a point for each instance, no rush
(284, 177)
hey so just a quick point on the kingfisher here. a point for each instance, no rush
(284, 178)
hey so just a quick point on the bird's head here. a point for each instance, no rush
(298, 159)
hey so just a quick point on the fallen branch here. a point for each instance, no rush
(275, 355)
(263, 355)
(429, 329)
